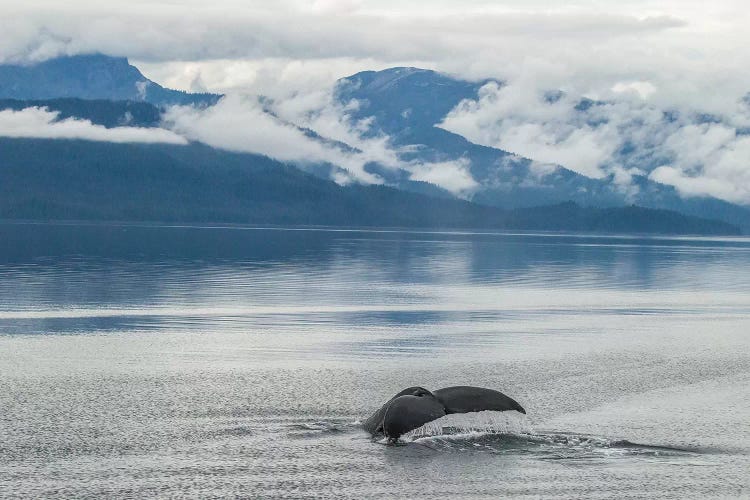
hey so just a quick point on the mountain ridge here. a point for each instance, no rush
(45, 179)
(506, 179)
(90, 76)
(429, 95)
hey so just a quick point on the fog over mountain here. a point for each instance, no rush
(45, 179)
(682, 50)
(510, 104)
(394, 127)
(408, 124)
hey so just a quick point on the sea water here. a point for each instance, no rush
(163, 361)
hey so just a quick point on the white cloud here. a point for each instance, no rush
(192, 30)
(641, 89)
(617, 138)
(687, 56)
(451, 175)
(243, 124)
(41, 123)
(279, 77)
(708, 159)
(683, 48)
(518, 118)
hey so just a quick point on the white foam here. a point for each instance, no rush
(481, 422)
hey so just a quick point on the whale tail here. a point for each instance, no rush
(406, 413)
(415, 406)
(374, 424)
(465, 399)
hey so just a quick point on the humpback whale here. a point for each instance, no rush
(415, 406)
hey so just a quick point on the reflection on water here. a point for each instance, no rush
(230, 361)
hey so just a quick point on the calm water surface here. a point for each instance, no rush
(219, 362)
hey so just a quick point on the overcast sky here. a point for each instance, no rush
(688, 50)
(686, 55)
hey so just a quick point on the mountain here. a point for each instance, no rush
(196, 182)
(93, 76)
(403, 99)
(44, 179)
(407, 103)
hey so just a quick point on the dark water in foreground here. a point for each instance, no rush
(163, 362)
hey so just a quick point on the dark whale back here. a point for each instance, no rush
(374, 424)
(406, 413)
(465, 399)
(415, 406)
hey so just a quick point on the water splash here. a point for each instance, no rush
(505, 439)
(315, 428)
(482, 422)
(509, 433)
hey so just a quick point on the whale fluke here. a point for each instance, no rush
(406, 413)
(415, 406)
(374, 424)
(466, 399)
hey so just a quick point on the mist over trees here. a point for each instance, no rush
(44, 179)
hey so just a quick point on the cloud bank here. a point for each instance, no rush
(685, 56)
(244, 124)
(685, 49)
(698, 154)
(309, 129)
(41, 123)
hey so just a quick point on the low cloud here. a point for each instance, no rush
(683, 48)
(619, 138)
(708, 159)
(281, 129)
(453, 176)
(245, 124)
(41, 123)
(196, 30)
(641, 89)
(242, 124)
(637, 58)
(276, 77)
(521, 119)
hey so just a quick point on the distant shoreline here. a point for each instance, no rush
(371, 229)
